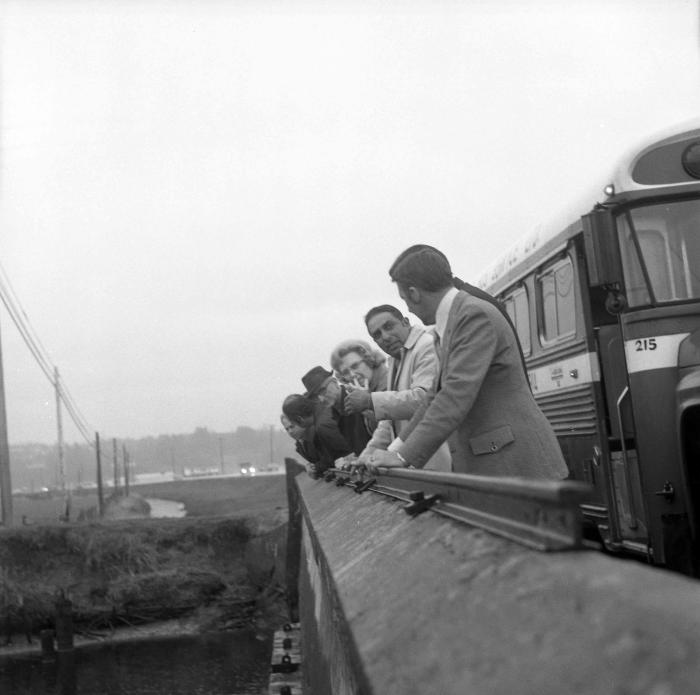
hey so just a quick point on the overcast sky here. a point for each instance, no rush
(198, 200)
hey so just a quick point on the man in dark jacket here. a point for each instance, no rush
(323, 388)
(321, 442)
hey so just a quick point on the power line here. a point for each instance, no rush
(72, 407)
(73, 412)
(40, 354)
(6, 281)
(36, 349)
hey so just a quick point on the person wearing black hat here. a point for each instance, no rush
(317, 381)
(323, 388)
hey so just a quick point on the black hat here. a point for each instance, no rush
(314, 379)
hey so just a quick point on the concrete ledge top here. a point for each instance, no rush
(438, 607)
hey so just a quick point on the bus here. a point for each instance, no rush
(607, 310)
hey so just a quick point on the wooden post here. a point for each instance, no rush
(125, 460)
(64, 643)
(48, 648)
(100, 491)
(5, 481)
(272, 446)
(116, 467)
(64, 623)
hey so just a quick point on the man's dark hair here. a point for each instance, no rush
(296, 407)
(383, 309)
(423, 267)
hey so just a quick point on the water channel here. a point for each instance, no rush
(166, 508)
(208, 664)
(221, 663)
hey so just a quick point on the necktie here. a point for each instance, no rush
(438, 350)
(396, 371)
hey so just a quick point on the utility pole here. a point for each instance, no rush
(59, 424)
(100, 492)
(272, 445)
(5, 482)
(116, 469)
(61, 462)
(125, 459)
(221, 454)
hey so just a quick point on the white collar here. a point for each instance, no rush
(443, 311)
(412, 337)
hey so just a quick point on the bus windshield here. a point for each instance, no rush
(660, 247)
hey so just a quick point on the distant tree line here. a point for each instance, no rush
(34, 466)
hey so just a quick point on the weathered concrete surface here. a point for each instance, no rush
(425, 605)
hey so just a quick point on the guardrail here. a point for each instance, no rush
(541, 514)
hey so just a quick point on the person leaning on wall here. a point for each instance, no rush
(412, 367)
(481, 400)
(319, 440)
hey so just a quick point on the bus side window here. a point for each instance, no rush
(652, 237)
(558, 301)
(653, 247)
(690, 252)
(518, 308)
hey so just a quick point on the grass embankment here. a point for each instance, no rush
(223, 569)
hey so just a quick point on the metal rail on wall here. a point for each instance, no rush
(541, 514)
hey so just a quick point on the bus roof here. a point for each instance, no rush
(528, 252)
(652, 164)
(656, 162)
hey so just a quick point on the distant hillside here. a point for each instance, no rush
(34, 466)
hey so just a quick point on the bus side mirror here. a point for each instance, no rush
(602, 248)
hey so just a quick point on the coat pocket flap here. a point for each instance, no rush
(490, 442)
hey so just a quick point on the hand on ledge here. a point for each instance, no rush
(346, 463)
(384, 459)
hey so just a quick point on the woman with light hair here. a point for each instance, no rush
(355, 362)
(357, 365)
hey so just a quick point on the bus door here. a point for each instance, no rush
(626, 502)
(653, 251)
(651, 351)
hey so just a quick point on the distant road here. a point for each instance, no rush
(263, 494)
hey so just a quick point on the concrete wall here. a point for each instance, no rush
(391, 604)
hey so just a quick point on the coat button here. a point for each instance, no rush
(494, 447)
